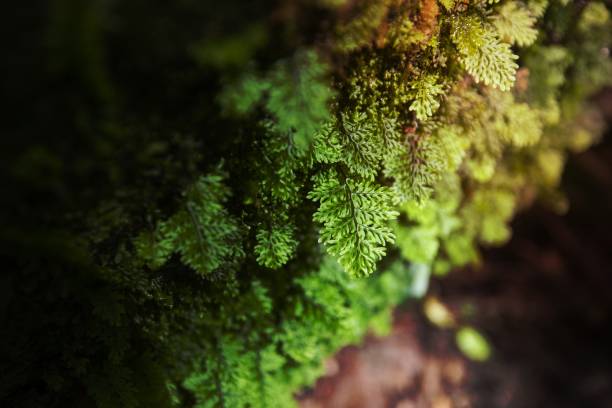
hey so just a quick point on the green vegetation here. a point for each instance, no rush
(205, 202)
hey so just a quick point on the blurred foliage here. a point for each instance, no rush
(473, 344)
(170, 168)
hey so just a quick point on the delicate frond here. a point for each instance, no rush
(358, 31)
(354, 216)
(483, 55)
(356, 141)
(415, 168)
(299, 96)
(204, 234)
(295, 92)
(275, 245)
(514, 24)
(426, 91)
(519, 125)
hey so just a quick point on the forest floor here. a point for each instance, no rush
(543, 301)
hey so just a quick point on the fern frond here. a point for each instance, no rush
(356, 141)
(426, 91)
(299, 96)
(515, 24)
(275, 245)
(354, 216)
(204, 234)
(240, 97)
(537, 7)
(415, 168)
(219, 380)
(487, 214)
(359, 31)
(520, 125)
(295, 92)
(418, 244)
(453, 146)
(280, 167)
(547, 67)
(483, 55)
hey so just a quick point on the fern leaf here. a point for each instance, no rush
(537, 7)
(216, 383)
(280, 167)
(241, 96)
(358, 31)
(483, 55)
(426, 91)
(357, 141)
(295, 92)
(487, 214)
(354, 216)
(520, 125)
(515, 24)
(298, 97)
(415, 168)
(275, 245)
(204, 234)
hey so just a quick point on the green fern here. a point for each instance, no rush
(430, 222)
(240, 97)
(487, 214)
(275, 245)
(298, 97)
(294, 92)
(202, 231)
(483, 55)
(235, 377)
(357, 32)
(354, 216)
(316, 95)
(415, 168)
(281, 168)
(515, 24)
(547, 67)
(358, 142)
(537, 7)
(520, 125)
(426, 91)
(220, 379)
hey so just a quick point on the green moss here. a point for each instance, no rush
(386, 139)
